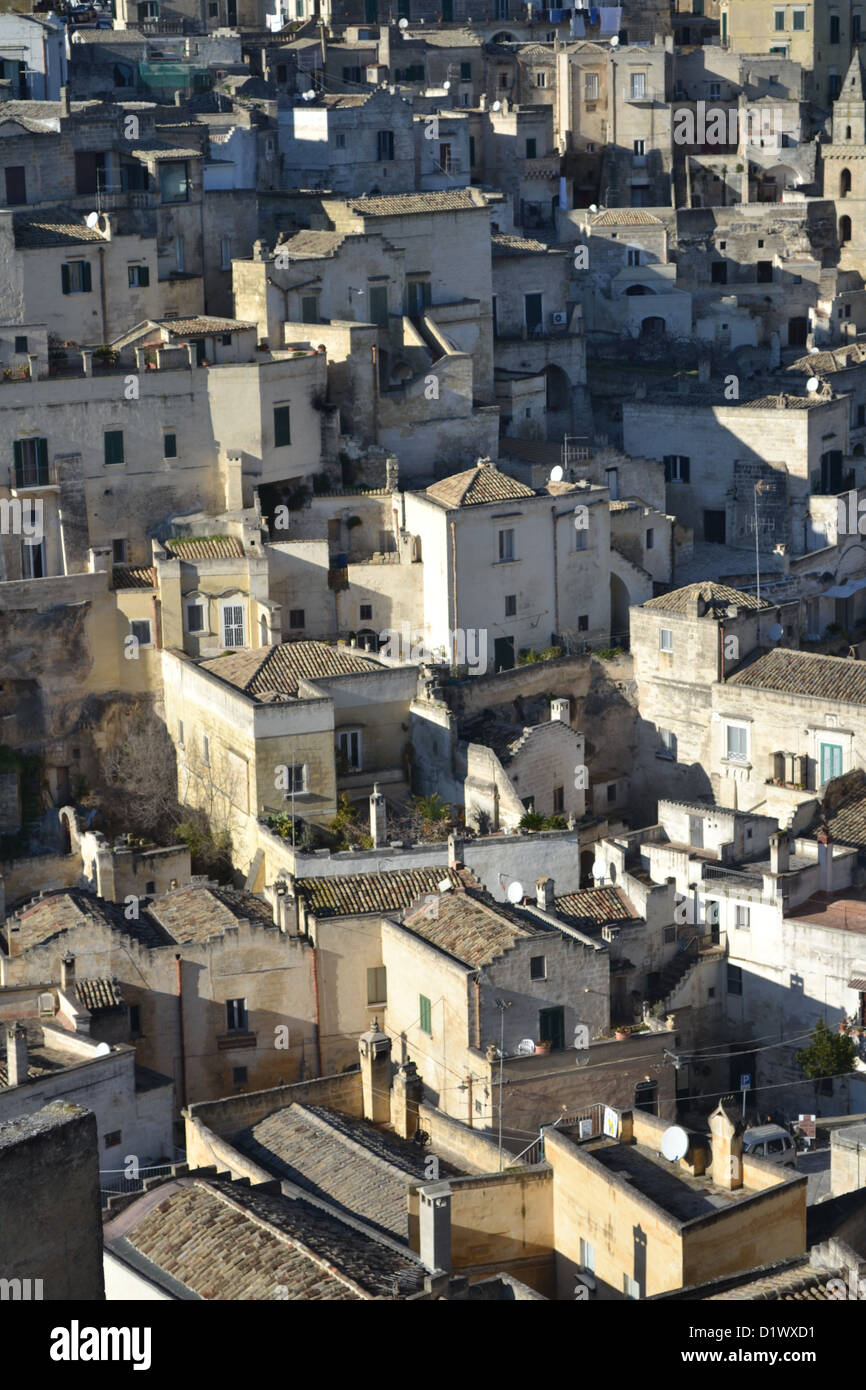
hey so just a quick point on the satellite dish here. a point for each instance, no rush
(525, 1047)
(812, 384)
(556, 474)
(92, 219)
(675, 1143)
(614, 43)
(776, 632)
(404, 24)
(497, 106)
(813, 351)
(446, 86)
(102, 1050)
(515, 891)
(593, 207)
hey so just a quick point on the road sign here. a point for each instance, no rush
(745, 1080)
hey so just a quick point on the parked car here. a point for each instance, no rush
(770, 1142)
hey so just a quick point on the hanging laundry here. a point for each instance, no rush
(578, 26)
(593, 16)
(611, 19)
(556, 16)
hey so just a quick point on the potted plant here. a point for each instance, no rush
(543, 1047)
(623, 1032)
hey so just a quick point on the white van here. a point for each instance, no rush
(771, 1142)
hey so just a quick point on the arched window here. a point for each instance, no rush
(844, 230)
(844, 183)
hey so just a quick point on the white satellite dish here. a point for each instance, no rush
(92, 219)
(515, 891)
(813, 351)
(614, 43)
(776, 632)
(497, 106)
(404, 24)
(812, 384)
(593, 207)
(525, 1047)
(556, 474)
(446, 86)
(675, 1143)
(102, 1050)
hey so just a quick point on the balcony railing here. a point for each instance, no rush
(31, 475)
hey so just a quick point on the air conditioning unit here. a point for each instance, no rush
(559, 318)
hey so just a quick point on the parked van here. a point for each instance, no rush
(771, 1142)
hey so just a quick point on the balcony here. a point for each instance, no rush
(33, 477)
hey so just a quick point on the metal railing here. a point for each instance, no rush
(113, 1181)
(589, 1121)
(736, 876)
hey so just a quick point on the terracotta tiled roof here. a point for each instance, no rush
(53, 227)
(471, 928)
(807, 673)
(272, 673)
(194, 914)
(833, 360)
(227, 1242)
(310, 245)
(476, 486)
(785, 402)
(198, 327)
(99, 993)
(349, 895)
(593, 907)
(626, 217)
(797, 1283)
(349, 1162)
(56, 913)
(517, 246)
(718, 597)
(401, 204)
(205, 547)
(133, 577)
(846, 818)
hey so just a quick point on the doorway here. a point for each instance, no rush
(551, 1027)
(503, 654)
(714, 527)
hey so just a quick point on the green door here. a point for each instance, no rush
(831, 761)
(551, 1027)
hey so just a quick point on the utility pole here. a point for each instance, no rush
(502, 1005)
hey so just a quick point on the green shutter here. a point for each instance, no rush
(424, 1012)
(42, 454)
(113, 446)
(282, 426)
(64, 279)
(685, 469)
(144, 275)
(18, 448)
(86, 282)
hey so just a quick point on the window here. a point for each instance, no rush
(135, 1019)
(587, 1255)
(140, 629)
(20, 344)
(118, 552)
(138, 276)
(670, 935)
(639, 148)
(590, 86)
(531, 146)
(384, 144)
(174, 182)
(349, 748)
(719, 272)
(33, 560)
(583, 622)
(205, 750)
(366, 612)
(195, 617)
(236, 1015)
(16, 185)
(558, 800)
(296, 617)
(799, 22)
(630, 1287)
(637, 85)
(541, 79)
(779, 21)
(715, 91)
(239, 1076)
(742, 917)
(465, 72)
(510, 605)
(830, 761)
(633, 255)
(666, 639)
(580, 541)
(611, 791)
(282, 426)
(834, 28)
(75, 277)
(424, 1015)
(225, 253)
(379, 305)
(113, 1138)
(297, 780)
(150, 887)
(31, 462)
(506, 545)
(377, 985)
(340, 140)
(856, 25)
(233, 625)
(650, 539)
(735, 979)
(179, 264)
(538, 967)
(310, 308)
(445, 163)
(113, 443)
(737, 742)
(352, 74)
(169, 444)
(667, 744)
(677, 468)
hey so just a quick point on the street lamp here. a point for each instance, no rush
(502, 1005)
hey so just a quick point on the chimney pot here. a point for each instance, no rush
(67, 972)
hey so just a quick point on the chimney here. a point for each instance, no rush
(284, 904)
(780, 853)
(544, 894)
(67, 973)
(825, 857)
(378, 817)
(434, 1221)
(561, 710)
(16, 1054)
(375, 1050)
(727, 1132)
(64, 101)
(455, 851)
(405, 1098)
(482, 102)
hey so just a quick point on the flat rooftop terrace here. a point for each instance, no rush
(669, 1186)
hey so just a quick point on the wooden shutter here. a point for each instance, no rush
(685, 466)
(86, 282)
(64, 279)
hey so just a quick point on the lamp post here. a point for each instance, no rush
(502, 1005)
